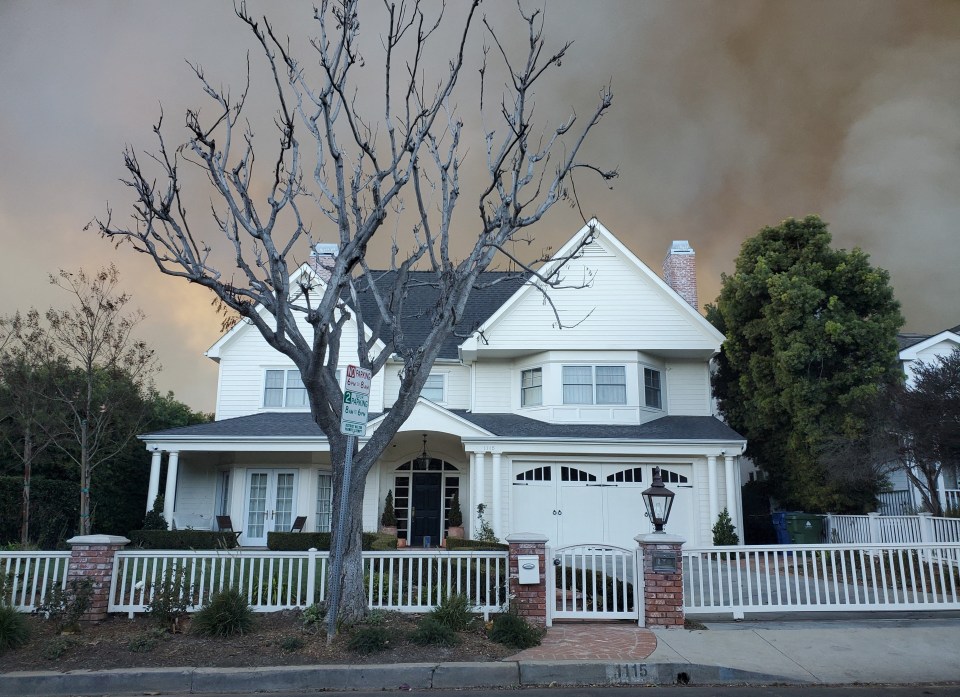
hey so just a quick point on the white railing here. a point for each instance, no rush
(951, 499)
(29, 576)
(413, 581)
(877, 529)
(592, 582)
(897, 502)
(810, 578)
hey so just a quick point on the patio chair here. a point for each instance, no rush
(224, 524)
(298, 524)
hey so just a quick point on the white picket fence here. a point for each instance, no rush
(28, 577)
(810, 578)
(894, 529)
(409, 581)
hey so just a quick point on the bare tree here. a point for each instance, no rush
(101, 399)
(30, 366)
(334, 161)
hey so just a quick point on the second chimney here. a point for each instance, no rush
(680, 271)
(323, 257)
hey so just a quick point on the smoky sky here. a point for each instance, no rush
(728, 116)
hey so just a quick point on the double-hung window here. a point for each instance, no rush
(601, 384)
(531, 387)
(652, 391)
(434, 388)
(284, 388)
(324, 501)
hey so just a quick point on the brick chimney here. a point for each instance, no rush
(680, 271)
(323, 257)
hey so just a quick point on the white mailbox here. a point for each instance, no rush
(528, 569)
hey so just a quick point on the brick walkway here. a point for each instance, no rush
(582, 641)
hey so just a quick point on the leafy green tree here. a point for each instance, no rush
(29, 368)
(810, 333)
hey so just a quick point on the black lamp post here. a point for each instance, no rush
(659, 500)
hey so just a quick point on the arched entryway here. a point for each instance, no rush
(423, 489)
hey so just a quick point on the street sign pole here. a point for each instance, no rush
(353, 422)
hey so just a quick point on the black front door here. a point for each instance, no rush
(425, 503)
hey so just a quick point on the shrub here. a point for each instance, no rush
(431, 631)
(389, 516)
(484, 532)
(66, 606)
(289, 644)
(510, 629)
(182, 539)
(453, 612)
(171, 598)
(302, 541)
(723, 531)
(367, 640)
(313, 617)
(454, 544)
(455, 517)
(14, 631)
(145, 642)
(57, 646)
(154, 519)
(227, 613)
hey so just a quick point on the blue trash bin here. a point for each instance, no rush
(780, 526)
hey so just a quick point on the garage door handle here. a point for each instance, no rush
(554, 512)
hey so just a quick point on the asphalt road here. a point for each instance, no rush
(677, 691)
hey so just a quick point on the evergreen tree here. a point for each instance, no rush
(810, 334)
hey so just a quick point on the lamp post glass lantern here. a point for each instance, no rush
(658, 500)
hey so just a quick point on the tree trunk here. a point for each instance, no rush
(27, 463)
(85, 527)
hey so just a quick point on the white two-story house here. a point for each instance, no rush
(554, 429)
(903, 497)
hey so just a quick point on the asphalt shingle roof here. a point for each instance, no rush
(493, 289)
(301, 425)
(907, 339)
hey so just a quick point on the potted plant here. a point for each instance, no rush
(388, 520)
(455, 517)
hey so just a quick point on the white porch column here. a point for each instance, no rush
(481, 479)
(732, 507)
(154, 488)
(170, 493)
(497, 517)
(712, 489)
(472, 503)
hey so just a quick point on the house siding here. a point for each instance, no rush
(688, 388)
(613, 287)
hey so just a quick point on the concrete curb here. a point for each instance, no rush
(373, 677)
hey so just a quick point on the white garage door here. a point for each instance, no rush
(590, 503)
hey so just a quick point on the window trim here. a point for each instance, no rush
(593, 384)
(524, 389)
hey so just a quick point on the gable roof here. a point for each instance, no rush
(495, 293)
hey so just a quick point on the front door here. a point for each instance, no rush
(270, 504)
(425, 505)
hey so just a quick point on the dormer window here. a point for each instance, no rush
(652, 392)
(601, 384)
(284, 388)
(531, 387)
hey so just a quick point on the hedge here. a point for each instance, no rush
(54, 511)
(302, 541)
(182, 539)
(455, 543)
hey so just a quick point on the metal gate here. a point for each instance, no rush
(594, 582)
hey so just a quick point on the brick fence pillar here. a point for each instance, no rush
(662, 579)
(528, 600)
(91, 556)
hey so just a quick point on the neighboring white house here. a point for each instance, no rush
(555, 430)
(903, 496)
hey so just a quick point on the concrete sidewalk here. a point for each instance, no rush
(904, 651)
